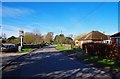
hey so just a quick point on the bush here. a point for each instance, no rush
(111, 51)
(32, 45)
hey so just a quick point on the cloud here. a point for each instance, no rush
(10, 30)
(15, 12)
(44, 27)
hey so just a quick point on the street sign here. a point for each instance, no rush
(21, 33)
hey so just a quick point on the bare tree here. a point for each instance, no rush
(33, 38)
(4, 36)
(38, 38)
(79, 36)
(29, 38)
(49, 37)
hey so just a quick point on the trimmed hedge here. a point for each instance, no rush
(111, 51)
(32, 46)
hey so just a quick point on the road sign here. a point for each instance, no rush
(21, 33)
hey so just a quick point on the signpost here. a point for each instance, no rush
(21, 33)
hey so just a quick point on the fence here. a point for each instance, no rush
(111, 51)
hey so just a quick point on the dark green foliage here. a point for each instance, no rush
(3, 40)
(11, 38)
(61, 39)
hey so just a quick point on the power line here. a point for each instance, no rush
(92, 11)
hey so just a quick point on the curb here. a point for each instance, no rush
(8, 64)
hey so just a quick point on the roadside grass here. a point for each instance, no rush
(77, 49)
(96, 60)
(103, 62)
(63, 47)
(26, 50)
(68, 47)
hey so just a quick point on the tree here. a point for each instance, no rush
(56, 39)
(79, 36)
(38, 39)
(49, 37)
(33, 38)
(68, 40)
(13, 40)
(60, 39)
(3, 41)
(4, 36)
(29, 38)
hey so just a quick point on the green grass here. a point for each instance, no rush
(68, 47)
(77, 49)
(103, 62)
(62, 47)
(26, 49)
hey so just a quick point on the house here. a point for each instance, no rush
(108, 41)
(76, 43)
(115, 38)
(93, 36)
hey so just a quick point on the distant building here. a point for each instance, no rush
(93, 36)
(115, 38)
(76, 43)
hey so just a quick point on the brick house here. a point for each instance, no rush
(115, 38)
(93, 36)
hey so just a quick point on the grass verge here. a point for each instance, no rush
(26, 49)
(62, 47)
(103, 62)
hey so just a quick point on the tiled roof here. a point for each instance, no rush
(94, 35)
(116, 35)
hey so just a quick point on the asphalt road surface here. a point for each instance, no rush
(49, 63)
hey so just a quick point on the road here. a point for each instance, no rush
(49, 63)
(6, 58)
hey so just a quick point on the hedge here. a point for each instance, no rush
(111, 51)
(32, 46)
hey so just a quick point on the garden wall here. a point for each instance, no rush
(111, 51)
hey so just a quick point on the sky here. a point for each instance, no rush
(69, 17)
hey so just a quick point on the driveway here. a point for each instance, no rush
(51, 64)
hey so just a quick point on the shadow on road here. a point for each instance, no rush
(51, 65)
